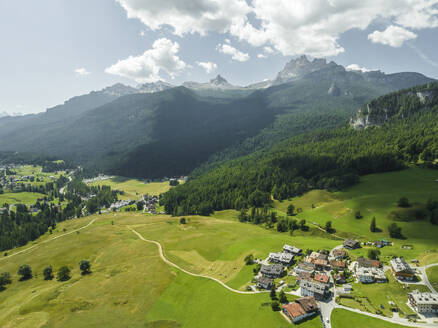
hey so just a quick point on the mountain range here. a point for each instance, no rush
(157, 129)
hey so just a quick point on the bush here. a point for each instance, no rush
(5, 279)
(63, 273)
(85, 267)
(182, 221)
(25, 272)
(403, 202)
(275, 306)
(249, 259)
(358, 215)
(48, 273)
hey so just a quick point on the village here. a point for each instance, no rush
(324, 276)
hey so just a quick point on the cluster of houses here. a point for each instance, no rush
(121, 203)
(14, 183)
(268, 272)
(150, 203)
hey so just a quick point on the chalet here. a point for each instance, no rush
(301, 309)
(339, 254)
(292, 249)
(272, 271)
(283, 258)
(338, 265)
(423, 302)
(265, 283)
(370, 275)
(401, 269)
(322, 278)
(315, 289)
(303, 275)
(351, 244)
(320, 264)
(366, 263)
(304, 267)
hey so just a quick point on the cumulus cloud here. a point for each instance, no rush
(81, 71)
(207, 66)
(356, 67)
(163, 57)
(235, 54)
(262, 56)
(295, 27)
(393, 36)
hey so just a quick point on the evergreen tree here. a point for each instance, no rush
(373, 227)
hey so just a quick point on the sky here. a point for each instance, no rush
(52, 50)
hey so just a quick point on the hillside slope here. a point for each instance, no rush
(328, 159)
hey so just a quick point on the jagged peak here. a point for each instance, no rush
(219, 80)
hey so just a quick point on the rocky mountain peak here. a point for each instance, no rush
(299, 67)
(119, 90)
(219, 80)
(154, 87)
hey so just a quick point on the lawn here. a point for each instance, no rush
(346, 319)
(371, 296)
(133, 188)
(376, 196)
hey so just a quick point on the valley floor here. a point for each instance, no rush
(134, 284)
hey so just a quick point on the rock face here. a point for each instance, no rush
(117, 90)
(402, 104)
(334, 90)
(297, 68)
(154, 87)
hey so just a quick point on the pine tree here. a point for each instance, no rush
(373, 227)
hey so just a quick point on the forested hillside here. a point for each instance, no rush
(174, 131)
(326, 159)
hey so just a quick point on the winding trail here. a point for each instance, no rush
(46, 241)
(160, 251)
(329, 306)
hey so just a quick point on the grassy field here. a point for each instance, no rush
(20, 197)
(432, 275)
(133, 188)
(346, 319)
(132, 287)
(376, 196)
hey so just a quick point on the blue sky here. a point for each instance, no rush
(52, 50)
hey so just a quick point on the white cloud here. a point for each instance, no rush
(81, 71)
(295, 27)
(194, 16)
(262, 56)
(163, 57)
(142, 33)
(233, 52)
(268, 50)
(356, 67)
(207, 66)
(393, 36)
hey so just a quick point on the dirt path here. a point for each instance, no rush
(160, 250)
(46, 241)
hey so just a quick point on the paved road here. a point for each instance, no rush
(425, 279)
(46, 241)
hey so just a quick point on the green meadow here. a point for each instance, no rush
(346, 319)
(376, 196)
(133, 188)
(27, 198)
(131, 286)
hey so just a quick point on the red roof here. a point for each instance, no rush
(294, 310)
(321, 278)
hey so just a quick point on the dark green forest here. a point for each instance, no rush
(325, 159)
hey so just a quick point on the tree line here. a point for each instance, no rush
(326, 159)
